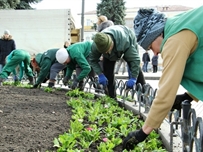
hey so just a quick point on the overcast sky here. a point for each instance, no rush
(76, 5)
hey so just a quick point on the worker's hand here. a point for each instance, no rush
(179, 99)
(75, 84)
(103, 80)
(65, 80)
(130, 83)
(133, 138)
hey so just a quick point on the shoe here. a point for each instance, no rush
(81, 86)
(31, 80)
(50, 84)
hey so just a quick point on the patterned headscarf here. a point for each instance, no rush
(148, 25)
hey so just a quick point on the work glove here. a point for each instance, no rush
(131, 82)
(103, 80)
(133, 138)
(75, 84)
(179, 99)
(65, 80)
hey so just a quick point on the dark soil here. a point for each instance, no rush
(30, 119)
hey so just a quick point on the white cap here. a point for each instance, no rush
(62, 55)
(7, 32)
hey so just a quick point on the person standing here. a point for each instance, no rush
(7, 44)
(66, 44)
(18, 56)
(101, 19)
(145, 60)
(155, 63)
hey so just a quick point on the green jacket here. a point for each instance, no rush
(192, 79)
(45, 61)
(125, 43)
(21, 66)
(79, 53)
(18, 56)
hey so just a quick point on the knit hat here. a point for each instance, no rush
(38, 58)
(148, 25)
(103, 42)
(7, 32)
(62, 55)
(104, 25)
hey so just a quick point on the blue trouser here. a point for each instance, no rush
(145, 66)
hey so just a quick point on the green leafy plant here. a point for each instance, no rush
(102, 122)
(78, 93)
(48, 89)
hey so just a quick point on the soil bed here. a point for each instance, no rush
(30, 119)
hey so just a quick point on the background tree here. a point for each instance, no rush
(113, 9)
(25, 4)
(17, 4)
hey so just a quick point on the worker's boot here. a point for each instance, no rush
(81, 86)
(31, 80)
(51, 84)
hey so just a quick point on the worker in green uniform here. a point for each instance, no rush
(179, 39)
(47, 67)
(17, 57)
(76, 58)
(113, 43)
(15, 73)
